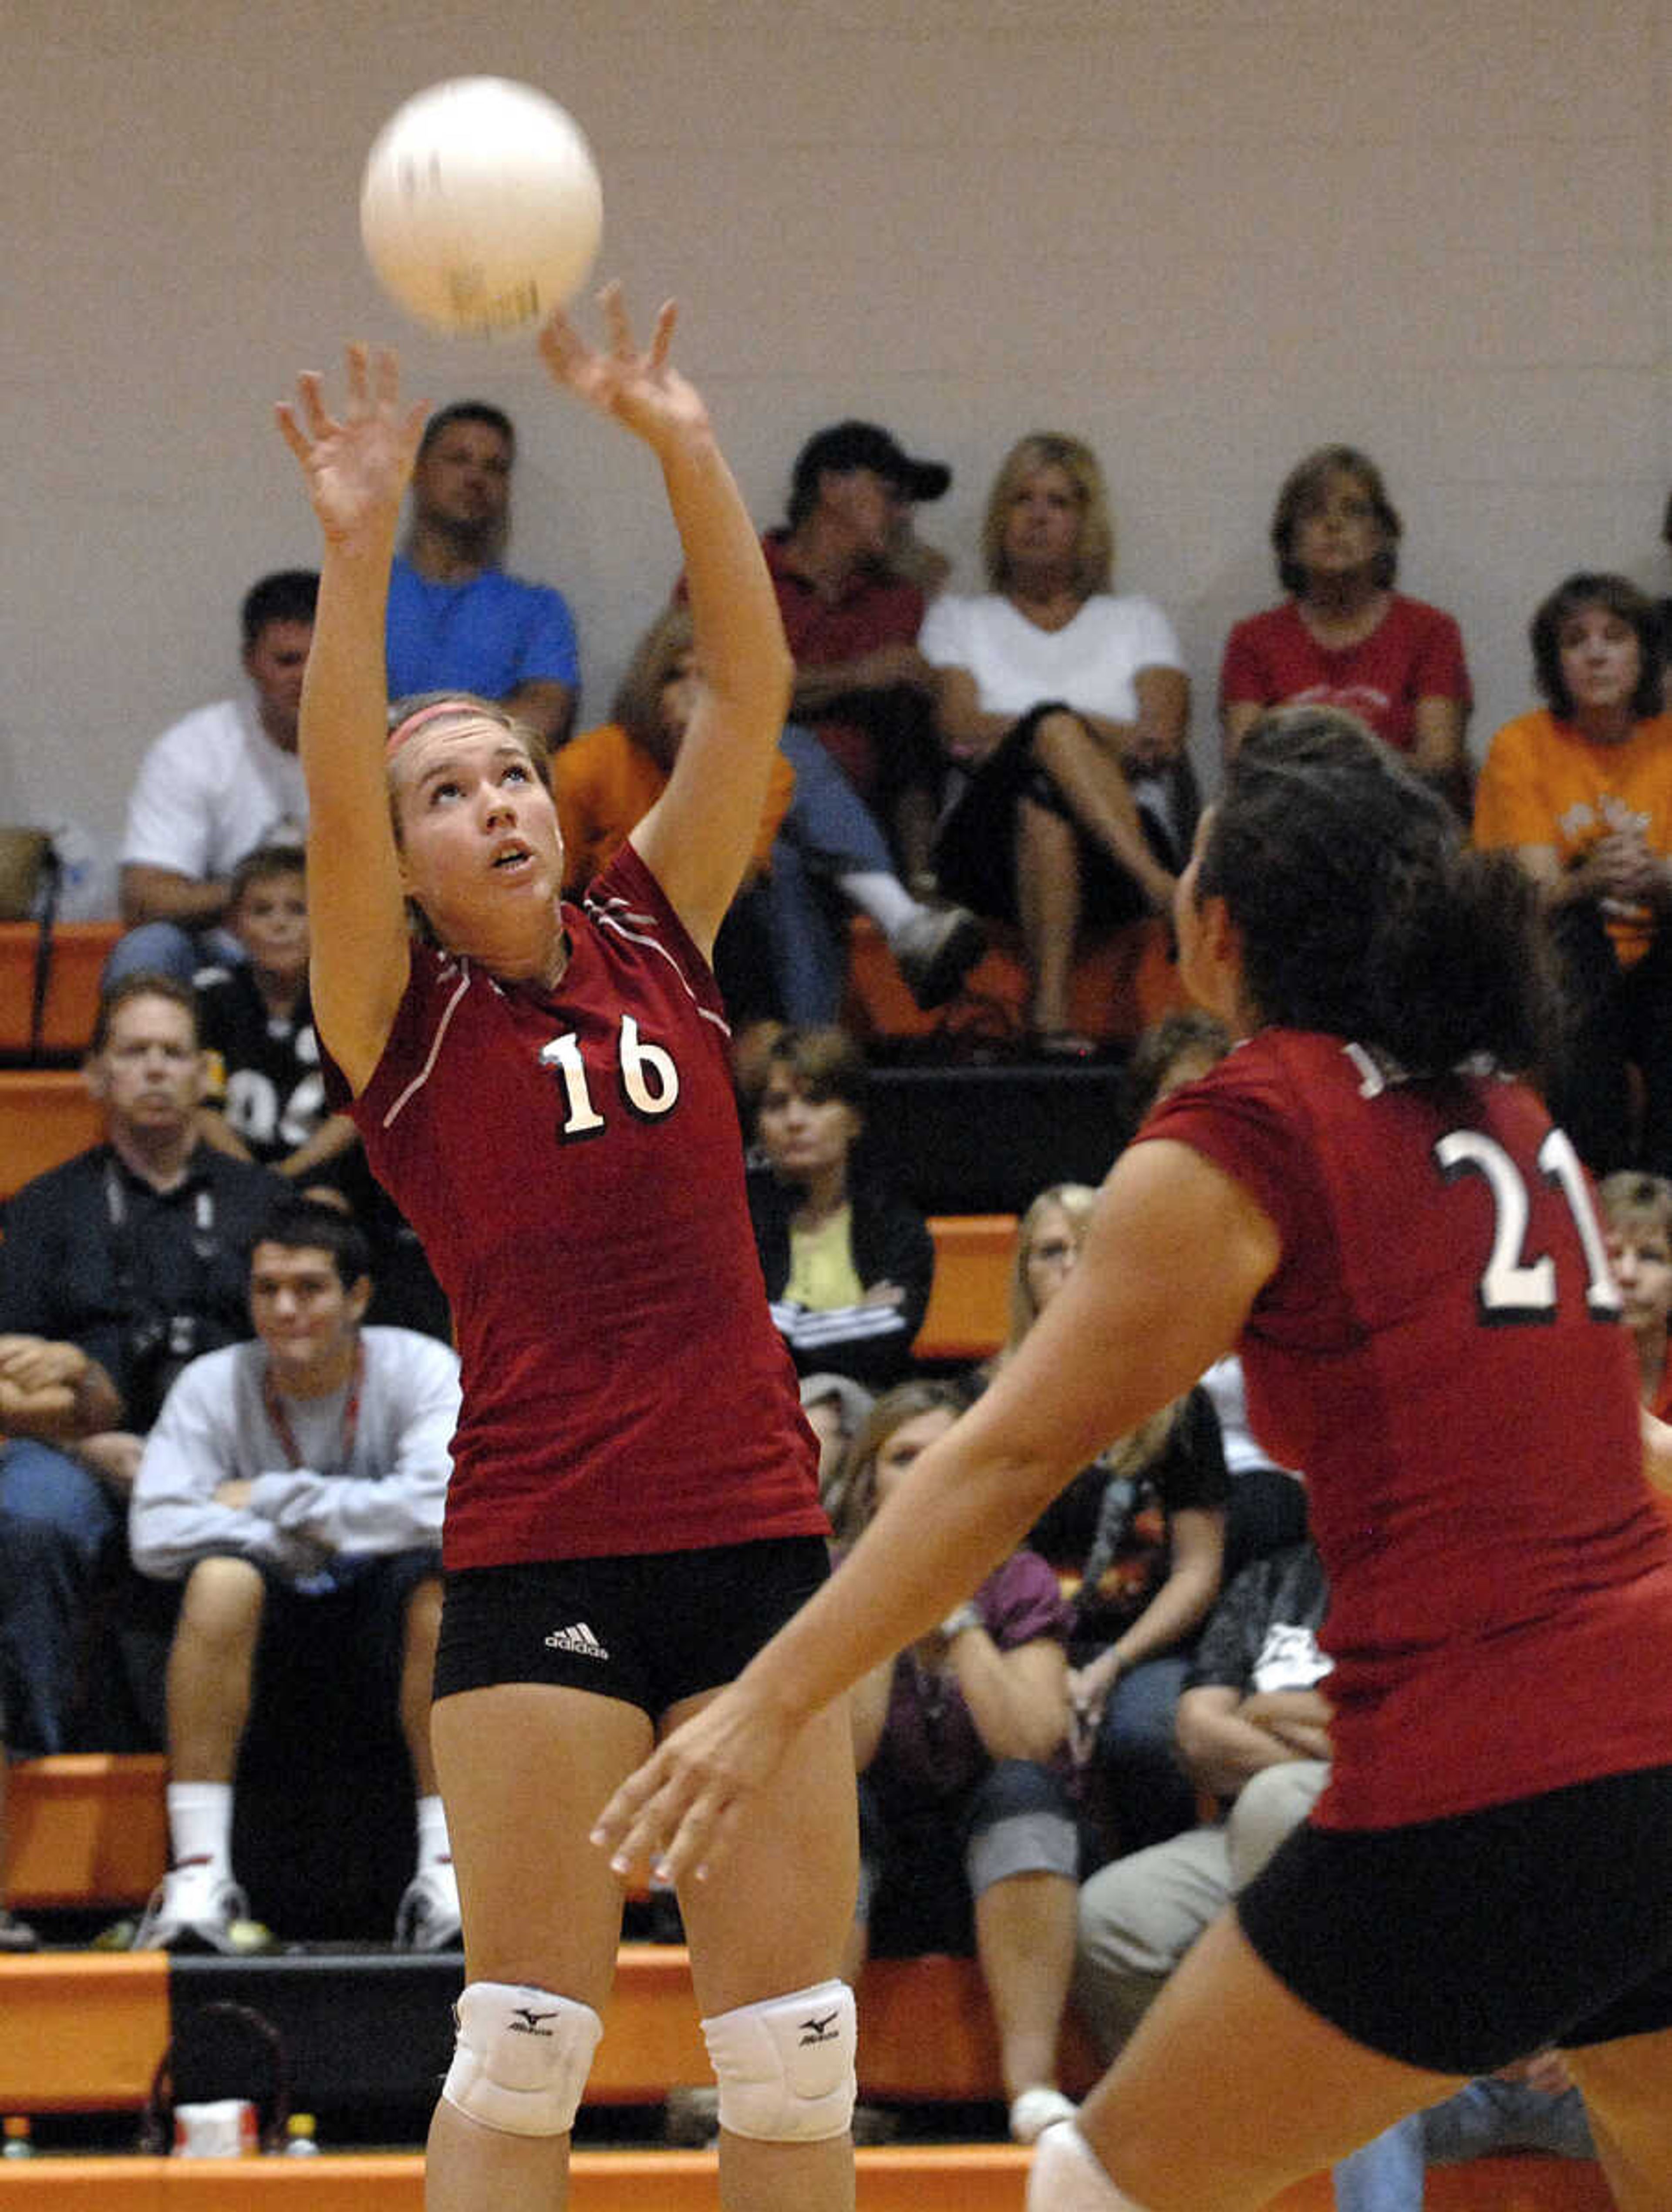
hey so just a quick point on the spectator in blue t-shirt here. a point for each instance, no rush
(458, 622)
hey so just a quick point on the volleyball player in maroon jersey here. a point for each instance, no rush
(545, 1090)
(1405, 1252)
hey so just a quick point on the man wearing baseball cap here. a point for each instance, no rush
(852, 622)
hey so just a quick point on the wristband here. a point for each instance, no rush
(960, 1617)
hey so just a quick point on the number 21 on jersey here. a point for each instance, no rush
(650, 1080)
(1516, 1285)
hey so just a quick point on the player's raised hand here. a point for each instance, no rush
(640, 388)
(677, 1813)
(356, 463)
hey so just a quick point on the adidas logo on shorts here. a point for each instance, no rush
(578, 1639)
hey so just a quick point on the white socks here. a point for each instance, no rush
(1068, 2175)
(432, 1832)
(884, 898)
(200, 1823)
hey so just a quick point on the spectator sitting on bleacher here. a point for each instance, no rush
(1344, 637)
(1580, 790)
(266, 1088)
(848, 1266)
(851, 612)
(457, 621)
(295, 1485)
(116, 1268)
(1637, 1222)
(1068, 707)
(1251, 1731)
(819, 854)
(221, 781)
(836, 1407)
(1268, 1506)
(958, 1799)
(266, 1092)
(1143, 1529)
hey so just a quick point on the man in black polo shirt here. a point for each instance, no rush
(116, 1269)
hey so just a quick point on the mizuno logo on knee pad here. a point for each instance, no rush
(521, 2058)
(785, 2066)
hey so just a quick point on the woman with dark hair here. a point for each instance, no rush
(1580, 790)
(1345, 637)
(1065, 705)
(849, 1264)
(1365, 1198)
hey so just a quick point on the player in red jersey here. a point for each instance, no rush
(1406, 1254)
(633, 1508)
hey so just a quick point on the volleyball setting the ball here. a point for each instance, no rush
(481, 208)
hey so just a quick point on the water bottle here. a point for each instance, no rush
(299, 2133)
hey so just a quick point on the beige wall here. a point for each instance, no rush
(1205, 233)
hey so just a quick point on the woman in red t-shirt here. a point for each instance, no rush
(1364, 1201)
(1344, 637)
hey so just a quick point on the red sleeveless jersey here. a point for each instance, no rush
(572, 1162)
(1440, 1350)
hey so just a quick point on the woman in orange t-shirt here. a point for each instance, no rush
(1581, 789)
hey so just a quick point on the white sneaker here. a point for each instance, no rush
(429, 1918)
(1037, 2109)
(193, 1908)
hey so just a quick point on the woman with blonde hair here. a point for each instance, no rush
(1142, 1527)
(967, 1835)
(545, 1088)
(1063, 704)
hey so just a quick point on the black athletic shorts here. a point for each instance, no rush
(652, 1629)
(1462, 1944)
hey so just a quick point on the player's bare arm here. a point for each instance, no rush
(697, 839)
(355, 464)
(1131, 1330)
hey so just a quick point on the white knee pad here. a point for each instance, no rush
(521, 2057)
(1068, 2175)
(785, 2067)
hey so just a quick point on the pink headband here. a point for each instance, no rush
(415, 721)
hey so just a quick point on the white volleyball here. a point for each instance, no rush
(481, 207)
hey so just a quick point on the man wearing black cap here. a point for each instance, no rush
(852, 623)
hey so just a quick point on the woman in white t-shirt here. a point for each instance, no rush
(1061, 701)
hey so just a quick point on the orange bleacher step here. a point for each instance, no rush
(1122, 980)
(83, 2030)
(47, 1114)
(78, 955)
(87, 1829)
(969, 1309)
(956, 2178)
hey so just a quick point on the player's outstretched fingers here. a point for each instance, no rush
(661, 339)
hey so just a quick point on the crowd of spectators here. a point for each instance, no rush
(226, 1383)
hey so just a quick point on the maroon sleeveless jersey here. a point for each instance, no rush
(572, 1162)
(1440, 1350)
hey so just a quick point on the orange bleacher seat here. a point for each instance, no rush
(79, 951)
(87, 1829)
(968, 1312)
(46, 1114)
(1123, 981)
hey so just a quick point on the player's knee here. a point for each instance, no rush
(1068, 2175)
(785, 2066)
(521, 2057)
